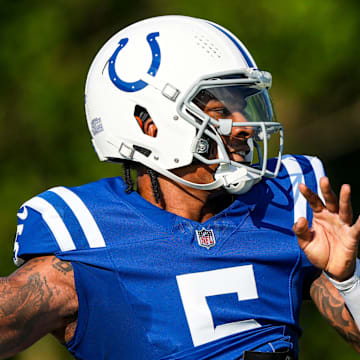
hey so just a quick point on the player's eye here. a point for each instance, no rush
(221, 111)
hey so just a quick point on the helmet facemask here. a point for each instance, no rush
(222, 105)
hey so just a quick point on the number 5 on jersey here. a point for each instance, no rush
(19, 230)
(195, 287)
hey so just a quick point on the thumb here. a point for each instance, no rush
(303, 233)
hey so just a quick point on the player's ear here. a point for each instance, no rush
(150, 128)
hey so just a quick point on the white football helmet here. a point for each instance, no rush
(167, 68)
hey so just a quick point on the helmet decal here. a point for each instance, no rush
(154, 67)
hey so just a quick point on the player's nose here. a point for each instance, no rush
(241, 132)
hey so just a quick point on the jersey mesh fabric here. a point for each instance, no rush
(147, 290)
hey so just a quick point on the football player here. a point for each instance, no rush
(210, 255)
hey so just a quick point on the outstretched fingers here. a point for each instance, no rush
(345, 208)
(312, 198)
(342, 207)
(330, 197)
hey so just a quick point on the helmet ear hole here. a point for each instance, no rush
(145, 122)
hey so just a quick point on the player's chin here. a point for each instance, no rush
(237, 157)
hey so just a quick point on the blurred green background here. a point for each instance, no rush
(310, 47)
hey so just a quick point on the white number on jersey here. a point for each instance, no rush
(194, 288)
(21, 215)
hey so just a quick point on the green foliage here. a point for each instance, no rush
(311, 48)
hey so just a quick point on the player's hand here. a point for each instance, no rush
(332, 242)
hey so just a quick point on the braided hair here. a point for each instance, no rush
(154, 178)
(142, 116)
(127, 178)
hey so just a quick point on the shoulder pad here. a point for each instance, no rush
(307, 170)
(55, 221)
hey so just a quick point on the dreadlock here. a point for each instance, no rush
(154, 178)
(127, 177)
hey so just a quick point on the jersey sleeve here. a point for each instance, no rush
(57, 221)
(308, 170)
(317, 171)
(40, 231)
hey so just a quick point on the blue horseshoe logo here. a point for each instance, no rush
(154, 67)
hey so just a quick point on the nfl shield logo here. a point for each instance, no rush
(205, 238)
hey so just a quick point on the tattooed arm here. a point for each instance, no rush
(37, 299)
(331, 306)
(331, 244)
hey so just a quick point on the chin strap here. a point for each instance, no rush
(138, 157)
(242, 187)
(235, 180)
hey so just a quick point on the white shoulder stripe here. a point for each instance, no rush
(296, 177)
(54, 221)
(82, 213)
(319, 173)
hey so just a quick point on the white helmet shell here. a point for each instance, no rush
(155, 64)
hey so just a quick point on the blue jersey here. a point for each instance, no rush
(154, 285)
